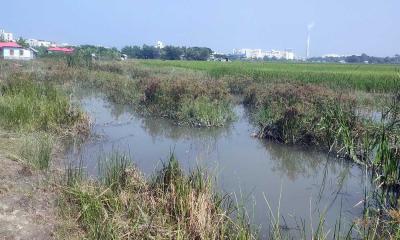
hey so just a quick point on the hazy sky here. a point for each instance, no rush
(341, 26)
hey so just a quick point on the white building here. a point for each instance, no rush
(40, 43)
(13, 51)
(331, 55)
(6, 36)
(159, 45)
(261, 54)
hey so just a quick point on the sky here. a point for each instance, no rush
(340, 26)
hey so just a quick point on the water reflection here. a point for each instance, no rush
(302, 162)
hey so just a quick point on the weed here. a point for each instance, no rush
(37, 150)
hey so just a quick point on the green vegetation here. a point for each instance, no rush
(204, 112)
(167, 53)
(316, 116)
(371, 78)
(36, 112)
(170, 205)
(37, 150)
(30, 106)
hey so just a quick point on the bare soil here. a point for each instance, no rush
(28, 207)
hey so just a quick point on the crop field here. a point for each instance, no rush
(371, 78)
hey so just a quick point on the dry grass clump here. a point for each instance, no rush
(383, 224)
(171, 205)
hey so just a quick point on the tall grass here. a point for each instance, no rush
(113, 170)
(30, 106)
(170, 205)
(204, 112)
(37, 150)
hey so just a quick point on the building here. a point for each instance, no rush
(60, 50)
(13, 51)
(249, 53)
(6, 36)
(261, 54)
(159, 45)
(331, 55)
(40, 43)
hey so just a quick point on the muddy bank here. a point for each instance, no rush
(28, 207)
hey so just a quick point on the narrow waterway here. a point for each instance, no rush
(306, 184)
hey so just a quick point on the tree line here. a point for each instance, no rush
(363, 58)
(168, 52)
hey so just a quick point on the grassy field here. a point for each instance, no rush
(371, 78)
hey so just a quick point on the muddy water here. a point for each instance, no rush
(304, 183)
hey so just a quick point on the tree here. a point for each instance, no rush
(150, 52)
(132, 51)
(171, 53)
(100, 52)
(22, 42)
(198, 53)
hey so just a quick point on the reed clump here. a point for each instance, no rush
(170, 205)
(188, 99)
(300, 114)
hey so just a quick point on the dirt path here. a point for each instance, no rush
(27, 203)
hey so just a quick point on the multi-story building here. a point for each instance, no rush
(261, 54)
(6, 36)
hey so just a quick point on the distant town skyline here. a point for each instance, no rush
(339, 27)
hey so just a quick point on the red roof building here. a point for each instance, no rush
(9, 45)
(14, 51)
(61, 50)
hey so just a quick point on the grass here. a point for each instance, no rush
(30, 106)
(204, 112)
(170, 205)
(39, 115)
(112, 171)
(37, 150)
(174, 205)
(368, 78)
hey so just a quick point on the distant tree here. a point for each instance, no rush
(364, 58)
(198, 53)
(42, 51)
(100, 52)
(132, 51)
(150, 52)
(171, 53)
(353, 59)
(22, 42)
